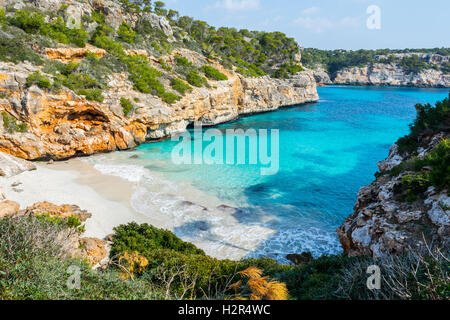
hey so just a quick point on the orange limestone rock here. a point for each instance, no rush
(72, 54)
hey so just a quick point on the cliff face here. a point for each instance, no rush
(391, 75)
(382, 223)
(61, 125)
(42, 123)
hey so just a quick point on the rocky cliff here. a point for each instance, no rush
(41, 123)
(385, 72)
(391, 75)
(61, 125)
(408, 206)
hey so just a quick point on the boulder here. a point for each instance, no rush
(92, 249)
(158, 22)
(63, 211)
(11, 166)
(299, 259)
(8, 208)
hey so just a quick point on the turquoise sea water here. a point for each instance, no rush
(328, 151)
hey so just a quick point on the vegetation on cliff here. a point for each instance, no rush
(336, 60)
(428, 122)
(252, 53)
(433, 169)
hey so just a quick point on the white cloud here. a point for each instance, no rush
(312, 10)
(238, 5)
(319, 25)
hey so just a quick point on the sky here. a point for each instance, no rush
(333, 24)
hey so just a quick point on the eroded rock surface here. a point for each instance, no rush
(11, 166)
(8, 208)
(63, 211)
(62, 125)
(384, 224)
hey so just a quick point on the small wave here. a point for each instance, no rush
(132, 173)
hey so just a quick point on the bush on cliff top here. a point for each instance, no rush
(429, 119)
(437, 174)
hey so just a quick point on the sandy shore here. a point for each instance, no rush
(76, 182)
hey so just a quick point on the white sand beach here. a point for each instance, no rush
(76, 182)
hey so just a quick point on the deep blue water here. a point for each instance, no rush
(328, 151)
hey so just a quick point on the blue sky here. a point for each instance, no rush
(332, 24)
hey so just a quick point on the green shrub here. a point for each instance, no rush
(11, 124)
(287, 70)
(36, 78)
(2, 17)
(105, 42)
(16, 50)
(30, 22)
(145, 239)
(126, 34)
(416, 185)
(170, 97)
(78, 37)
(183, 61)
(429, 119)
(92, 94)
(164, 65)
(70, 222)
(127, 106)
(413, 64)
(180, 86)
(195, 79)
(143, 76)
(75, 81)
(98, 17)
(439, 161)
(213, 74)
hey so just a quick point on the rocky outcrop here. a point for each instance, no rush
(92, 249)
(72, 54)
(158, 22)
(8, 208)
(384, 224)
(61, 125)
(11, 166)
(381, 74)
(321, 76)
(63, 211)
